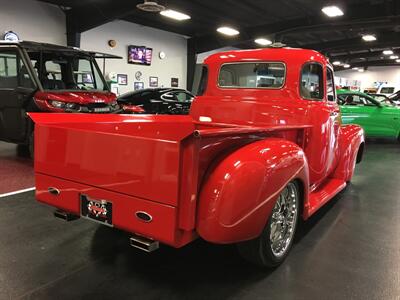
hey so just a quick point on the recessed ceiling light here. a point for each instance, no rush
(387, 52)
(176, 15)
(346, 66)
(336, 63)
(398, 60)
(228, 31)
(263, 42)
(360, 70)
(369, 38)
(393, 57)
(332, 11)
(355, 68)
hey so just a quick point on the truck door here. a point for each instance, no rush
(321, 115)
(16, 89)
(335, 121)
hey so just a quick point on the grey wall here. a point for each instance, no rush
(125, 33)
(33, 20)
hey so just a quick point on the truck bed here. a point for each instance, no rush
(138, 163)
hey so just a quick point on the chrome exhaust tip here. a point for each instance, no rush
(143, 243)
(65, 216)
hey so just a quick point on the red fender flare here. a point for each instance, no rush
(351, 138)
(240, 191)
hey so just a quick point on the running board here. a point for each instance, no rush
(323, 194)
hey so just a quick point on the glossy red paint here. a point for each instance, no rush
(217, 172)
(42, 99)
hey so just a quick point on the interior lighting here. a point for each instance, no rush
(263, 42)
(176, 15)
(387, 52)
(369, 38)
(332, 11)
(228, 31)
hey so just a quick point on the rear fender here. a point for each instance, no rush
(240, 190)
(350, 140)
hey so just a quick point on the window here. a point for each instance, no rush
(67, 71)
(330, 85)
(183, 97)
(387, 90)
(312, 86)
(355, 100)
(13, 72)
(203, 82)
(252, 75)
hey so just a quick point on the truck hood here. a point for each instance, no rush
(79, 97)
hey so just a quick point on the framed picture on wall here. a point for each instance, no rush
(122, 79)
(138, 85)
(153, 82)
(174, 82)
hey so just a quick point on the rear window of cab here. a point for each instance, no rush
(263, 75)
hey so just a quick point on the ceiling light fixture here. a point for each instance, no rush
(369, 37)
(332, 11)
(387, 52)
(394, 57)
(150, 6)
(346, 66)
(228, 31)
(263, 42)
(361, 70)
(176, 15)
(336, 63)
(355, 68)
(398, 60)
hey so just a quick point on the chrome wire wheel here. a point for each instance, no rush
(283, 220)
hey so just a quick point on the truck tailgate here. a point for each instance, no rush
(134, 155)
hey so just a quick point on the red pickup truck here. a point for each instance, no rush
(262, 148)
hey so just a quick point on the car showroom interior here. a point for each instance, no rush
(176, 149)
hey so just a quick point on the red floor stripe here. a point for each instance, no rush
(16, 173)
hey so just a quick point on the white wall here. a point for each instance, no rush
(125, 33)
(33, 20)
(373, 74)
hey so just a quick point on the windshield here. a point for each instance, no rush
(387, 90)
(62, 71)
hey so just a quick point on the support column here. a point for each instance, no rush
(191, 63)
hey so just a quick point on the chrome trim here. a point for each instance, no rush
(150, 217)
(54, 191)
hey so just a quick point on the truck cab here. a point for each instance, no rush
(262, 149)
(37, 77)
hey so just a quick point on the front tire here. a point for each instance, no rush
(273, 245)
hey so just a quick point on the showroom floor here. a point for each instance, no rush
(350, 249)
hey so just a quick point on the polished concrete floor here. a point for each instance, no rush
(349, 250)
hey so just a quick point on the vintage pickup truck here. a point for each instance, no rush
(262, 148)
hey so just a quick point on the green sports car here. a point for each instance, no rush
(377, 119)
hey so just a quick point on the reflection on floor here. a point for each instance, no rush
(348, 250)
(16, 169)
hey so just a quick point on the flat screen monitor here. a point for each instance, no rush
(140, 55)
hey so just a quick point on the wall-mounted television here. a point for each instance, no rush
(140, 55)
